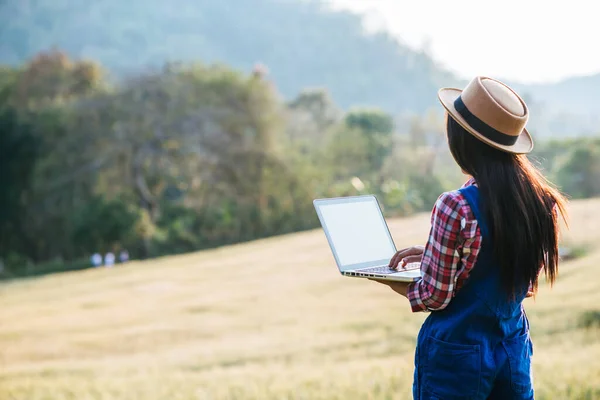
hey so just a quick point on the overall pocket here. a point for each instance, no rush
(520, 350)
(451, 370)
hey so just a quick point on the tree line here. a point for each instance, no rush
(193, 156)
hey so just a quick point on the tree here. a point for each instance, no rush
(579, 172)
(18, 156)
(52, 75)
(41, 156)
(377, 128)
(348, 154)
(314, 112)
(205, 133)
(103, 225)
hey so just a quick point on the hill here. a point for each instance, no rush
(573, 95)
(269, 319)
(570, 107)
(301, 42)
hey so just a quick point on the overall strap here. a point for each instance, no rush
(471, 194)
(486, 273)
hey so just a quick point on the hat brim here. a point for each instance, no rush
(523, 145)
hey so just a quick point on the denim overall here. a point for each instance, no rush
(478, 347)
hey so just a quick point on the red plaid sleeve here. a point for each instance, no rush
(450, 253)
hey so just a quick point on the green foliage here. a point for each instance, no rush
(412, 190)
(53, 76)
(8, 77)
(310, 116)
(372, 122)
(590, 319)
(18, 153)
(194, 156)
(579, 172)
(400, 198)
(319, 105)
(21, 268)
(347, 153)
(574, 165)
(103, 224)
(360, 145)
(377, 128)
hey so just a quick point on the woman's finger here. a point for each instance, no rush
(409, 251)
(396, 259)
(411, 259)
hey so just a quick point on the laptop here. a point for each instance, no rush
(360, 239)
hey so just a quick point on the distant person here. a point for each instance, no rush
(123, 256)
(96, 260)
(109, 259)
(488, 243)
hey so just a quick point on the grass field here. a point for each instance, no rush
(270, 319)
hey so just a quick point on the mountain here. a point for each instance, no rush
(573, 95)
(570, 107)
(301, 42)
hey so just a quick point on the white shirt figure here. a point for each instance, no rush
(124, 256)
(96, 259)
(109, 259)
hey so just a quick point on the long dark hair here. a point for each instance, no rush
(521, 207)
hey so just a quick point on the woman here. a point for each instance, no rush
(488, 242)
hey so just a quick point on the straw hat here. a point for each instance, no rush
(492, 112)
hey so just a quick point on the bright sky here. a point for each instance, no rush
(521, 40)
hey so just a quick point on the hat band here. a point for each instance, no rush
(481, 127)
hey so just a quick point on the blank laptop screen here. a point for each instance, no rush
(357, 232)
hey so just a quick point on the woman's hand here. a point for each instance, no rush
(407, 256)
(399, 287)
(404, 256)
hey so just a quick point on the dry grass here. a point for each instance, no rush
(268, 319)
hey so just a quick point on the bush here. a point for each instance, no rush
(102, 224)
(590, 319)
(27, 269)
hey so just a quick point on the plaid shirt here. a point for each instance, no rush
(450, 254)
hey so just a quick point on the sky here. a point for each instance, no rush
(529, 41)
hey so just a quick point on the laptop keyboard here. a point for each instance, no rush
(387, 270)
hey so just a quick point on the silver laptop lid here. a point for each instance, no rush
(356, 231)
